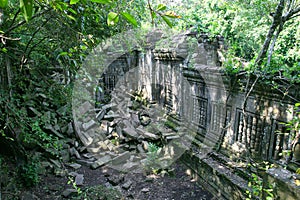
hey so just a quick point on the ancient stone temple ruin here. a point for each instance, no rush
(183, 75)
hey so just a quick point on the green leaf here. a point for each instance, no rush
(161, 7)
(153, 14)
(26, 7)
(4, 50)
(112, 18)
(100, 1)
(129, 18)
(72, 11)
(74, 1)
(3, 3)
(167, 21)
(71, 17)
(63, 53)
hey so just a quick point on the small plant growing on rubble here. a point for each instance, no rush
(72, 182)
(152, 158)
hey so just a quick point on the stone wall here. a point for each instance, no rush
(183, 75)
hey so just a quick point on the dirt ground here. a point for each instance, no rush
(105, 183)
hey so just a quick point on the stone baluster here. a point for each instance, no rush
(253, 133)
(241, 127)
(258, 136)
(248, 131)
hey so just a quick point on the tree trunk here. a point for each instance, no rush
(277, 20)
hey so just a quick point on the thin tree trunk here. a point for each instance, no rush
(8, 75)
(277, 20)
(274, 42)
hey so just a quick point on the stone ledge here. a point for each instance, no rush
(227, 182)
(218, 178)
(285, 182)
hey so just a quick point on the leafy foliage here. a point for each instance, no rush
(29, 173)
(244, 25)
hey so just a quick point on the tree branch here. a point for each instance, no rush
(15, 17)
(151, 12)
(23, 59)
(23, 22)
(35, 45)
(290, 14)
(277, 19)
(274, 42)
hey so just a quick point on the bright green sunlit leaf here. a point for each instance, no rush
(130, 18)
(26, 7)
(74, 1)
(112, 18)
(167, 21)
(161, 7)
(101, 1)
(3, 3)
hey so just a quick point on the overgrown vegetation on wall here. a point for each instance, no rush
(260, 36)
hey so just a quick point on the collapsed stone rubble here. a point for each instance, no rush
(119, 133)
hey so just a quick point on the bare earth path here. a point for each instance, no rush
(97, 184)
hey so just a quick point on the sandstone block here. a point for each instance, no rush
(101, 161)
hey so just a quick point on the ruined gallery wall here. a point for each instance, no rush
(185, 78)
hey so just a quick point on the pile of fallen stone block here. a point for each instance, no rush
(118, 134)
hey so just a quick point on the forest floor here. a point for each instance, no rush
(106, 183)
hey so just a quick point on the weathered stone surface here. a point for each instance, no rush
(129, 166)
(127, 185)
(140, 148)
(28, 196)
(56, 163)
(65, 155)
(75, 165)
(109, 116)
(119, 132)
(83, 136)
(145, 145)
(88, 125)
(81, 149)
(35, 111)
(93, 149)
(70, 129)
(85, 107)
(111, 105)
(52, 129)
(130, 132)
(86, 162)
(102, 145)
(145, 190)
(88, 155)
(60, 172)
(115, 179)
(110, 146)
(122, 158)
(73, 174)
(135, 120)
(76, 144)
(68, 192)
(172, 137)
(126, 123)
(100, 114)
(101, 161)
(74, 152)
(146, 134)
(79, 178)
